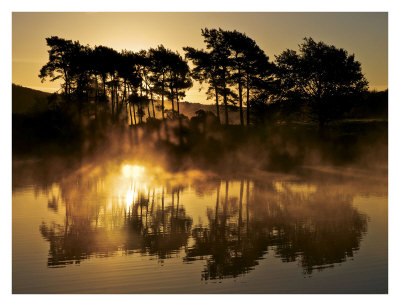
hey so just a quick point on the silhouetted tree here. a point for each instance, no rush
(320, 79)
(62, 60)
(250, 67)
(129, 72)
(220, 53)
(159, 59)
(181, 79)
(178, 77)
(103, 64)
(321, 76)
(233, 59)
(146, 73)
(205, 70)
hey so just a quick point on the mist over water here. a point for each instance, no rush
(291, 211)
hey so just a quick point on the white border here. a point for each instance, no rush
(204, 5)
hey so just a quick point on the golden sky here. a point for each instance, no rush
(364, 34)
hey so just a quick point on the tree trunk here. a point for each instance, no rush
(216, 102)
(96, 98)
(162, 98)
(240, 100)
(112, 103)
(225, 99)
(152, 103)
(104, 85)
(226, 109)
(147, 97)
(117, 106)
(172, 101)
(127, 113)
(134, 114)
(177, 99)
(124, 98)
(248, 102)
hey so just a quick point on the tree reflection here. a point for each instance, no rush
(95, 229)
(157, 231)
(317, 228)
(317, 231)
(234, 249)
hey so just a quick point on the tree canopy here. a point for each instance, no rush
(322, 76)
(319, 78)
(232, 60)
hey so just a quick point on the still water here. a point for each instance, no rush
(135, 228)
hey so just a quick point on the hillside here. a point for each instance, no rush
(26, 100)
(189, 110)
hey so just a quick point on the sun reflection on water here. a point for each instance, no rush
(134, 172)
(129, 197)
(133, 182)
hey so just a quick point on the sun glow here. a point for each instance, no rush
(134, 172)
(129, 198)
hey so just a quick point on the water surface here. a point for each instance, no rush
(136, 228)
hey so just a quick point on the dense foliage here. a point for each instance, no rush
(319, 83)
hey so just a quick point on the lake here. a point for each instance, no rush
(126, 226)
